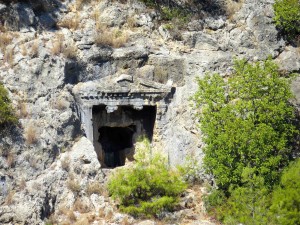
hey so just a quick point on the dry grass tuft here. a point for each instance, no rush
(10, 159)
(22, 183)
(109, 215)
(61, 104)
(69, 213)
(94, 188)
(125, 221)
(57, 44)
(33, 162)
(22, 109)
(31, 134)
(160, 74)
(232, 7)
(131, 22)
(114, 38)
(80, 206)
(9, 198)
(5, 40)
(95, 15)
(70, 21)
(23, 50)
(65, 164)
(52, 220)
(73, 185)
(9, 56)
(80, 3)
(35, 48)
(70, 50)
(2, 28)
(82, 221)
(101, 213)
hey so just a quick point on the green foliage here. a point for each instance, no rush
(149, 186)
(247, 122)
(149, 3)
(190, 170)
(6, 111)
(213, 200)
(175, 13)
(247, 204)
(287, 16)
(253, 203)
(286, 197)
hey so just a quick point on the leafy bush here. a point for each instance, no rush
(149, 3)
(213, 200)
(148, 187)
(254, 203)
(287, 16)
(170, 10)
(247, 121)
(247, 204)
(286, 197)
(7, 115)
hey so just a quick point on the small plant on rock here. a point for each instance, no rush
(286, 196)
(147, 188)
(287, 16)
(7, 115)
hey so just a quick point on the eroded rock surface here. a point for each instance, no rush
(52, 46)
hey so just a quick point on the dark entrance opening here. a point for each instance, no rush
(114, 142)
(115, 133)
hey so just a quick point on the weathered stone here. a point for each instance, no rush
(214, 24)
(164, 32)
(289, 59)
(2, 8)
(112, 16)
(99, 54)
(47, 21)
(20, 15)
(43, 87)
(195, 25)
(147, 222)
(135, 52)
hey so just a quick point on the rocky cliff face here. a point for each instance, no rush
(48, 47)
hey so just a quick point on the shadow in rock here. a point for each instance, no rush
(26, 14)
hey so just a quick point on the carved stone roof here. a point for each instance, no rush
(121, 90)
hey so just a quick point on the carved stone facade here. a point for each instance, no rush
(115, 93)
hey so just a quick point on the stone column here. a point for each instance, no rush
(160, 120)
(86, 119)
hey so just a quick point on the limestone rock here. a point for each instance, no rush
(147, 222)
(214, 23)
(20, 15)
(44, 85)
(2, 8)
(289, 59)
(83, 156)
(168, 68)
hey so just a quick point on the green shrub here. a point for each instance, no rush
(247, 121)
(287, 16)
(7, 115)
(286, 197)
(213, 200)
(247, 204)
(149, 186)
(175, 13)
(190, 171)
